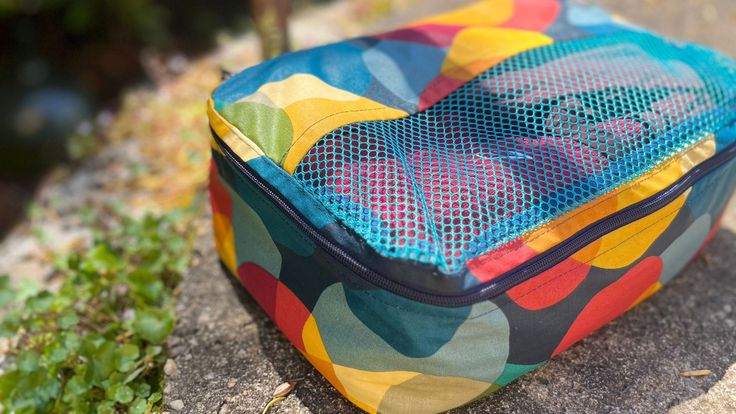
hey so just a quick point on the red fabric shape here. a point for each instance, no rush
(550, 287)
(261, 285)
(613, 301)
(291, 315)
(428, 34)
(437, 89)
(533, 15)
(492, 265)
(279, 302)
(219, 196)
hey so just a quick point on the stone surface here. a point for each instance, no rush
(177, 405)
(719, 399)
(230, 357)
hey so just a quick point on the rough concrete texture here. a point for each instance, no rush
(229, 357)
(719, 399)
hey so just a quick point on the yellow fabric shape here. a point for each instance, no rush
(388, 391)
(569, 224)
(225, 241)
(667, 174)
(699, 153)
(295, 88)
(430, 394)
(637, 237)
(316, 354)
(482, 13)
(311, 119)
(312, 340)
(315, 108)
(477, 48)
(366, 389)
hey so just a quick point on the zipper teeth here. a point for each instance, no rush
(523, 272)
(334, 250)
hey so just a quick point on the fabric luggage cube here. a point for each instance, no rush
(429, 213)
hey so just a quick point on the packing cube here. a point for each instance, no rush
(429, 213)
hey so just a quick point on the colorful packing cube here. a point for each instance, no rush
(429, 213)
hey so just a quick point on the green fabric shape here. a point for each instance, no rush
(253, 243)
(268, 127)
(377, 310)
(282, 231)
(514, 371)
(478, 350)
(679, 253)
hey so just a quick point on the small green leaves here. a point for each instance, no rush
(154, 325)
(41, 302)
(142, 389)
(67, 319)
(28, 391)
(95, 344)
(102, 361)
(120, 393)
(27, 361)
(126, 356)
(77, 385)
(7, 295)
(138, 406)
(71, 341)
(155, 397)
(146, 286)
(57, 352)
(102, 259)
(26, 288)
(106, 407)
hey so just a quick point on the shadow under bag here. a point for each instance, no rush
(429, 213)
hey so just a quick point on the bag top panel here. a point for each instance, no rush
(524, 143)
(464, 135)
(285, 105)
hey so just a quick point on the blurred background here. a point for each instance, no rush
(65, 63)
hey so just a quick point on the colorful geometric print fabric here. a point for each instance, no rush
(532, 119)
(283, 106)
(389, 354)
(528, 140)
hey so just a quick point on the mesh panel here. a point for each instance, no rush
(523, 143)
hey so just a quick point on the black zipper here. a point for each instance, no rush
(521, 273)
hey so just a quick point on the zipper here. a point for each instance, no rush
(502, 283)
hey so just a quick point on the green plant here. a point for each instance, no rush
(96, 345)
